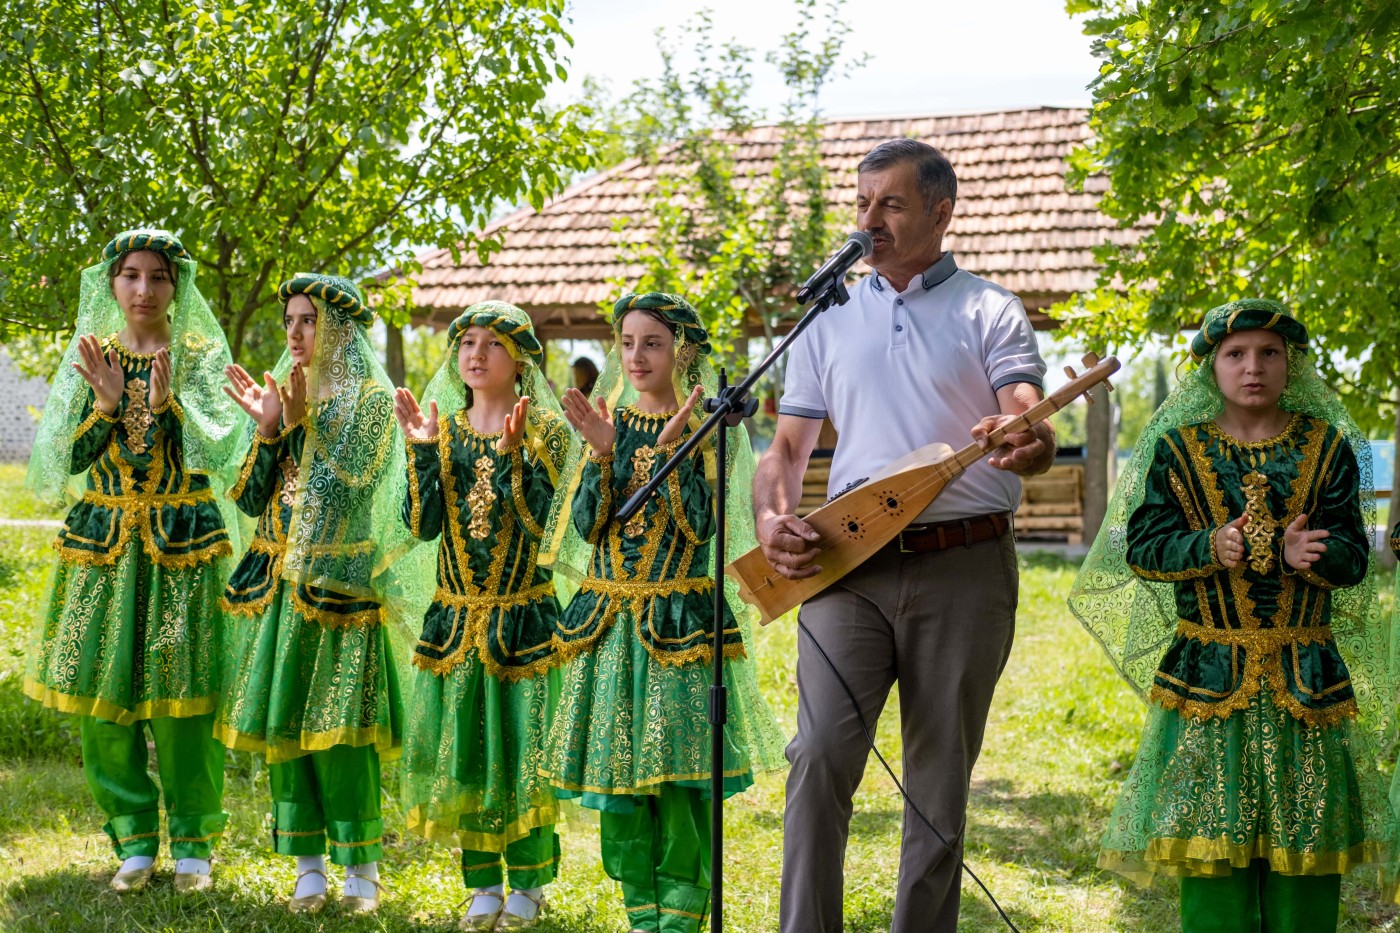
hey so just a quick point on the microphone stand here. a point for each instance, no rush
(727, 410)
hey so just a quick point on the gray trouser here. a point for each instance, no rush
(941, 624)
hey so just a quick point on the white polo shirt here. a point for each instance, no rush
(896, 371)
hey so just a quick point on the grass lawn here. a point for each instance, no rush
(1063, 732)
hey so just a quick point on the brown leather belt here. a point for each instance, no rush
(964, 532)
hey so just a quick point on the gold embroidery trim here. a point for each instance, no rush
(171, 404)
(137, 418)
(1255, 639)
(1307, 574)
(250, 460)
(1211, 858)
(1263, 664)
(517, 489)
(290, 476)
(475, 637)
(643, 462)
(1259, 530)
(140, 519)
(153, 500)
(493, 601)
(1259, 445)
(645, 589)
(480, 499)
(91, 420)
(415, 502)
(330, 619)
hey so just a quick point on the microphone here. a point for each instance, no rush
(858, 245)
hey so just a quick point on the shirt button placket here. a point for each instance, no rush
(899, 338)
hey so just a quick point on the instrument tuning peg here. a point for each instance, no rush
(1069, 371)
(1088, 399)
(1090, 359)
(1108, 385)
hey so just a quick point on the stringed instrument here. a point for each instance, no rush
(867, 515)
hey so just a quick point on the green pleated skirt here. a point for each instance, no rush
(295, 685)
(627, 724)
(130, 640)
(1206, 797)
(472, 760)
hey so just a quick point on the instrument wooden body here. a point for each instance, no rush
(857, 523)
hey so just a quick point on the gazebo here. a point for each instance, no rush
(1015, 223)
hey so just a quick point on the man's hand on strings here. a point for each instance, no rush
(790, 544)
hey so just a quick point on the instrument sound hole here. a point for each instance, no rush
(892, 502)
(853, 527)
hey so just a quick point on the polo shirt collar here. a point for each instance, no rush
(933, 276)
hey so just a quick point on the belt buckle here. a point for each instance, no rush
(902, 548)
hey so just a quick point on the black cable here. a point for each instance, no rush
(870, 738)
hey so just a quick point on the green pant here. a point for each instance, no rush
(531, 862)
(331, 794)
(1257, 900)
(191, 767)
(660, 853)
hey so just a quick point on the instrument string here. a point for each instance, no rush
(964, 458)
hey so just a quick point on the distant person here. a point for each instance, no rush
(585, 375)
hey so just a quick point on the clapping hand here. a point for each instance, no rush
(160, 378)
(1302, 548)
(415, 424)
(1229, 542)
(103, 373)
(262, 403)
(594, 424)
(514, 428)
(294, 395)
(676, 426)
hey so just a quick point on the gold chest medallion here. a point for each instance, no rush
(138, 418)
(481, 498)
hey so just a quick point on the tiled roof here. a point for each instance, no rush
(1015, 223)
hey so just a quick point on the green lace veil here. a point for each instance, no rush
(567, 553)
(346, 534)
(1135, 620)
(198, 355)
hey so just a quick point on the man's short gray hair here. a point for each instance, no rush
(936, 178)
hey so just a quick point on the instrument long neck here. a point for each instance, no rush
(1028, 419)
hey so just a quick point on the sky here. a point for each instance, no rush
(927, 57)
(933, 56)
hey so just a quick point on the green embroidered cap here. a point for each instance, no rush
(160, 241)
(1247, 314)
(675, 309)
(337, 292)
(507, 321)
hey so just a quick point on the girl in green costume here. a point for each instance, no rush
(136, 431)
(482, 464)
(312, 682)
(1232, 585)
(631, 735)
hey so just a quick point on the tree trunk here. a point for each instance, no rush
(393, 354)
(1098, 431)
(1384, 556)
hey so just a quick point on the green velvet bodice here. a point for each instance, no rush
(1263, 620)
(657, 565)
(137, 483)
(267, 490)
(488, 507)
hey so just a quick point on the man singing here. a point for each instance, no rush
(921, 353)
